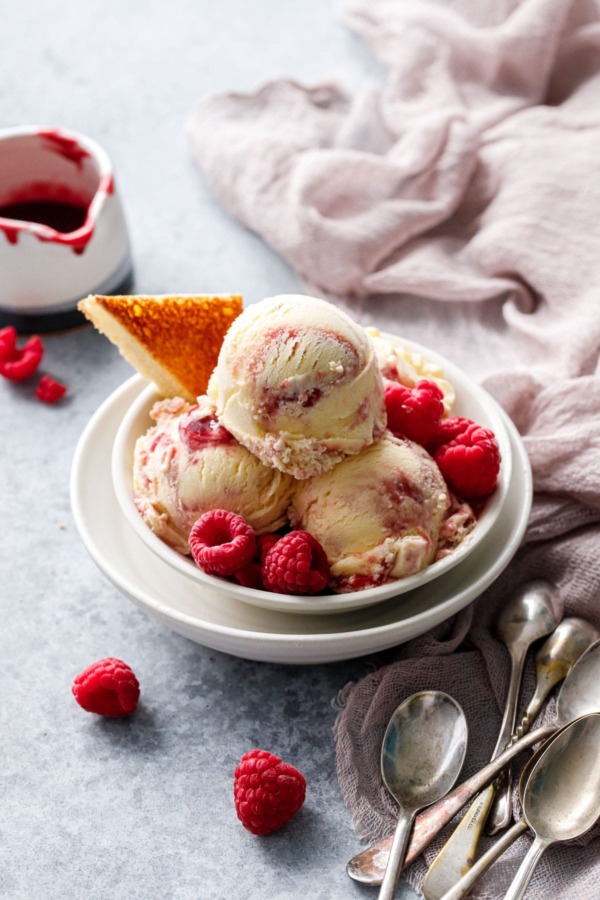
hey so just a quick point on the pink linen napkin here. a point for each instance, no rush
(457, 204)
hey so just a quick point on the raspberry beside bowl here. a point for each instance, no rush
(471, 402)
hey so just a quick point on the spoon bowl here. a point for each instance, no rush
(423, 748)
(561, 800)
(580, 692)
(422, 754)
(553, 662)
(533, 612)
(565, 646)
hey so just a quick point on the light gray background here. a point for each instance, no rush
(94, 808)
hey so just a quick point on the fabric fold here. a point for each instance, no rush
(455, 204)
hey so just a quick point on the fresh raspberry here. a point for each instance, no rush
(470, 462)
(108, 688)
(267, 792)
(296, 564)
(414, 413)
(265, 543)
(222, 542)
(19, 364)
(448, 429)
(250, 575)
(8, 343)
(49, 390)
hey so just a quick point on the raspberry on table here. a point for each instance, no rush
(8, 343)
(49, 390)
(108, 688)
(17, 364)
(222, 542)
(296, 564)
(414, 413)
(267, 792)
(470, 462)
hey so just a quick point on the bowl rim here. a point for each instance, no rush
(101, 160)
(234, 634)
(329, 603)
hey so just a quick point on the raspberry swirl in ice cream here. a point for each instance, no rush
(377, 515)
(338, 361)
(188, 464)
(201, 430)
(298, 384)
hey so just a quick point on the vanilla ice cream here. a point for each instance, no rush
(188, 464)
(398, 363)
(377, 515)
(298, 384)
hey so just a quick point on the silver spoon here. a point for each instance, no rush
(555, 658)
(520, 624)
(465, 884)
(422, 754)
(579, 695)
(532, 612)
(562, 796)
(553, 662)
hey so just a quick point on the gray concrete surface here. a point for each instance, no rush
(143, 808)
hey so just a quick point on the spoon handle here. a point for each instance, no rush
(512, 698)
(368, 866)
(485, 862)
(500, 815)
(501, 812)
(521, 880)
(430, 822)
(460, 850)
(396, 858)
(458, 853)
(540, 696)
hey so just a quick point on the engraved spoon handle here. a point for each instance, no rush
(500, 814)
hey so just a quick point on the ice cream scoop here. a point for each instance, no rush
(297, 383)
(377, 514)
(400, 363)
(188, 464)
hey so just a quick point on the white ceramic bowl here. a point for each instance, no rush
(471, 401)
(242, 629)
(47, 268)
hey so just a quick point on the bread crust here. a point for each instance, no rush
(172, 340)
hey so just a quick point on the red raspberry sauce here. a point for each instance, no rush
(200, 432)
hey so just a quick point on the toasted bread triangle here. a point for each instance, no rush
(172, 340)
